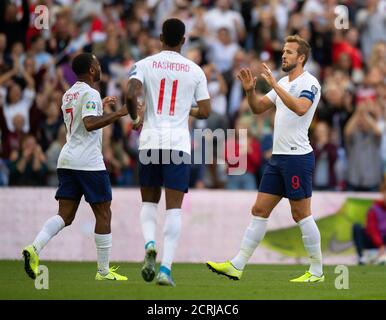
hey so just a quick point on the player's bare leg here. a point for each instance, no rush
(301, 213)
(67, 211)
(103, 241)
(255, 232)
(102, 214)
(172, 230)
(300, 209)
(150, 198)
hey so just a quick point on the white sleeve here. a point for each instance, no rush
(272, 95)
(137, 71)
(91, 103)
(201, 92)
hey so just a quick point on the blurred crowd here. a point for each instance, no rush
(348, 133)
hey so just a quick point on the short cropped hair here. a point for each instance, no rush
(304, 47)
(173, 30)
(82, 63)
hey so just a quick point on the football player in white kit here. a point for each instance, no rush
(290, 170)
(170, 83)
(81, 169)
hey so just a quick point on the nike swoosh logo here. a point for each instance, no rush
(339, 246)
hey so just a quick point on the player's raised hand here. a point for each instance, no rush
(268, 76)
(109, 102)
(248, 81)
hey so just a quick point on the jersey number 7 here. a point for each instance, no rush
(161, 97)
(70, 111)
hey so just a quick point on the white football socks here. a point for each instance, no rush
(252, 237)
(103, 245)
(172, 230)
(148, 216)
(50, 228)
(311, 240)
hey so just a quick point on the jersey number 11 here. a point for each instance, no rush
(161, 97)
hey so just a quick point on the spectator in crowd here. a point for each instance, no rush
(117, 160)
(371, 23)
(197, 169)
(244, 148)
(215, 173)
(49, 127)
(3, 46)
(61, 36)
(266, 35)
(38, 52)
(378, 57)
(12, 139)
(15, 99)
(14, 29)
(52, 155)
(325, 158)
(350, 64)
(337, 103)
(363, 138)
(217, 88)
(112, 55)
(28, 165)
(222, 50)
(381, 100)
(346, 55)
(235, 91)
(4, 173)
(373, 234)
(266, 141)
(279, 11)
(222, 16)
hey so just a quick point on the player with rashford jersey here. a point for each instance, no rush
(170, 83)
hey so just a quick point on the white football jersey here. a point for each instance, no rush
(83, 149)
(171, 82)
(290, 134)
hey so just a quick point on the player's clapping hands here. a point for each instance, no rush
(248, 81)
(268, 76)
(109, 102)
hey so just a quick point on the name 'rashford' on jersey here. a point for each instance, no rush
(290, 133)
(171, 82)
(83, 149)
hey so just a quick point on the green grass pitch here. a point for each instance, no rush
(75, 280)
